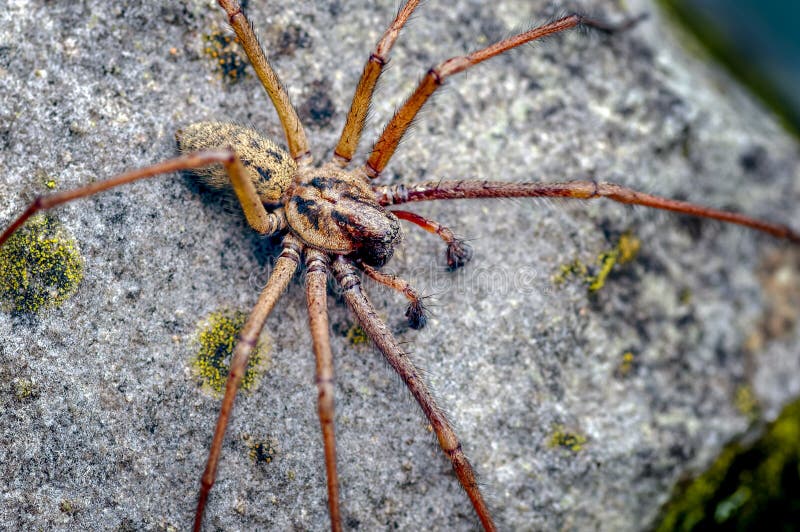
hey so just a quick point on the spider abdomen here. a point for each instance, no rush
(269, 167)
(336, 211)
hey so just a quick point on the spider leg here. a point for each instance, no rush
(416, 310)
(458, 251)
(348, 142)
(386, 145)
(284, 269)
(382, 337)
(256, 214)
(316, 295)
(584, 190)
(292, 128)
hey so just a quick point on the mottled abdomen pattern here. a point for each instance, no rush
(269, 167)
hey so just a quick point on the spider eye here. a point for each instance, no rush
(374, 231)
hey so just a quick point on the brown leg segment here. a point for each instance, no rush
(585, 190)
(266, 222)
(386, 145)
(348, 142)
(387, 344)
(458, 252)
(416, 310)
(284, 269)
(316, 295)
(292, 128)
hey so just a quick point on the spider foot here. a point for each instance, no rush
(458, 254)
(416, 313)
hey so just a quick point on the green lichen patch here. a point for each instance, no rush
(356, 335)
(68, 506)
(747, 403)
(566, 439)
(40, 267)
(224, 50)
(594, 276)
(747, 486)
(25, 389)
(217, 336)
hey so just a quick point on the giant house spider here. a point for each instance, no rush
(116, 432)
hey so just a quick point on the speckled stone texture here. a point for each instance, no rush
(116, 432)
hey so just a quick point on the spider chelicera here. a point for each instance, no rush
(336, 221)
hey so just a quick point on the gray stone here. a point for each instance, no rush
(116, 434)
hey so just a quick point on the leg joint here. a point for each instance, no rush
(375, 58)
(455, 451)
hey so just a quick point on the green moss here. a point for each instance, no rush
(596, 275)
(566, 439)
(747, 485)
(217, 336)
(40, 267)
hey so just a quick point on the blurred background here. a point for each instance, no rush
(758, 40)
(757, 480)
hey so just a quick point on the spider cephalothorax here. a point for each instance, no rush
(336, 211)
(336, 222)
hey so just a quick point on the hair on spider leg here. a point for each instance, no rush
(585, 24)
(418, 312)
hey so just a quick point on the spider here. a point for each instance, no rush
(366, 260)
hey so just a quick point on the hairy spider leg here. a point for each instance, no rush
(278, 280)
(292, 128)
(584, 190)
(415, 313)
(379, 333)
(458, 252)
(317, 297)
(354, 125)
(257, 216)
(386, 145)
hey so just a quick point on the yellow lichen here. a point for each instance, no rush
(217, 336)
(566, 439)
(625, 250)
(606, 262)
(628, 247)
(574, 268)
(40, 267)
(626, 365)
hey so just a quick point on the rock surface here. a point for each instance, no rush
(115, 431)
